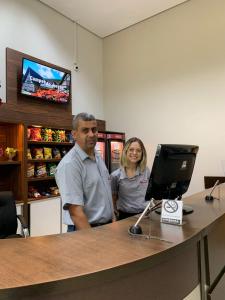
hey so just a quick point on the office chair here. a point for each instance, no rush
(8, 217)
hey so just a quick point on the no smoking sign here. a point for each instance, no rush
(172, 212)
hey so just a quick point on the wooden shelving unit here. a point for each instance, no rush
(33, 179)
(13, 173)
(38, 183)
(51, 160)
(49, 143)
(6, 163)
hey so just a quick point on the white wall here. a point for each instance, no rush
(88, 85)
(164, 81)
(37, 30)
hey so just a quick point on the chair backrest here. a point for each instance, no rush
(8, 219)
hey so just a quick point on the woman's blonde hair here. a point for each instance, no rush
(143, 161)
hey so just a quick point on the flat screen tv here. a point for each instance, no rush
(45, 83)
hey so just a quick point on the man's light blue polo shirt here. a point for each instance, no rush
(86, 182)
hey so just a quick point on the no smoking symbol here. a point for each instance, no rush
(171, 206)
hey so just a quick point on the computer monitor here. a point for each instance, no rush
(171, 172)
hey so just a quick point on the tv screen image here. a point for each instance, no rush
(43, 82)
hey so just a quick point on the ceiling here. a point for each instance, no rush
(105, 17)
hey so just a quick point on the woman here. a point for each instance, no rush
(130, 181)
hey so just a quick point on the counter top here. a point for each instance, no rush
(93, 252)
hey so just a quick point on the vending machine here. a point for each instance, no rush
(101, 145)
(114, 146)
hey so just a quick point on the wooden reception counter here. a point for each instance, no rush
(107, 263)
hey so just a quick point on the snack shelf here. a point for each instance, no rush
(49, 143)
(40, 178)
(44, 160)
(45, 148)
(42, 198)
(7, 162)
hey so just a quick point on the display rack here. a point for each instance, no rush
(41, 159)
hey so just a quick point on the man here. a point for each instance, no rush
(83, 179)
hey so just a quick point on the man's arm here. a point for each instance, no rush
(78, 217)
(116, 213)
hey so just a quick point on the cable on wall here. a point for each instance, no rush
(75, 46)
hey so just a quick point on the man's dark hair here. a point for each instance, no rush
(82, 116)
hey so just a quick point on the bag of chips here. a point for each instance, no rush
(41, 170)
(54, 190)
(59, 136)
(64, 151)
(33, 192)
(47, 153)
(51, 169)
(30, 170)
(29, 156)
(35, 134)
(56, 153)
(47, 134)
(38, 153)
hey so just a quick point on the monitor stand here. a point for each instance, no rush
(186, 210)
